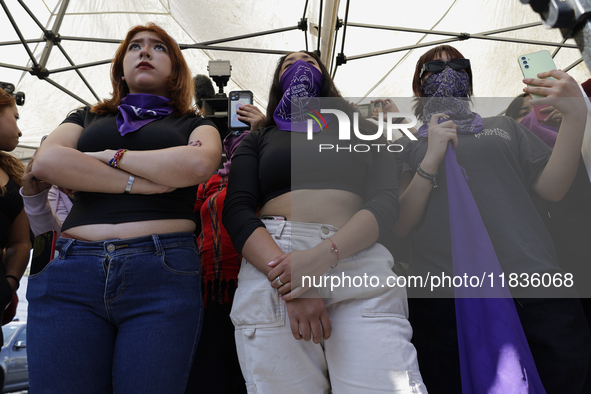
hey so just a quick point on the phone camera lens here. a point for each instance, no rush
(526, 66)
(522, 57)
(524, 62)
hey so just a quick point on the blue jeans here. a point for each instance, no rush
(120, 316)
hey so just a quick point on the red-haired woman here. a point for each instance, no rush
(14, 224)
(119, 308)
(503, 163)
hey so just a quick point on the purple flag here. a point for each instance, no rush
(494, 354)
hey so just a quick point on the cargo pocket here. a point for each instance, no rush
(256, 304)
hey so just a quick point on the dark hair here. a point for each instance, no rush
(512, 110)
(429, 56)
(179, 82)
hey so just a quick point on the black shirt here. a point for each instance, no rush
(501, 162)
(11, 205)
(100, 133)
(270, 162)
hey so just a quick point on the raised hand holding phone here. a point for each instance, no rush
(531, 65)
(237, 99)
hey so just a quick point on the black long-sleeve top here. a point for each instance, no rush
(270, 162)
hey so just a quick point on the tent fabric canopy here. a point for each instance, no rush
(382, 42)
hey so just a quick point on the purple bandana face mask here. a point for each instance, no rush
(137, 110)
(447, 93)
(301, 84)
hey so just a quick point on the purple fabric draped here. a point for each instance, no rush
(137, 110)
(494, 354)
(301, 84)
(231, 142)
(546, 133)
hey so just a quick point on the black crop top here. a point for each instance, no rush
(270, 162)
(100, 133)
(11, 205)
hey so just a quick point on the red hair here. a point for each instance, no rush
(179, 82)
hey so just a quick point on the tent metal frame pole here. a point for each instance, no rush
(60, 87)
(56, 27)
(408, 47)
(33, 41)
(233, 49)
(306, 30)
(444, 33)
(319, 27)
(15, 67)
(79, 66)
(69, 59)
(33, 17)
(460, 38)
(242, 37)
(573, 65)
(341, 56)
(18, 32)
(465, 36)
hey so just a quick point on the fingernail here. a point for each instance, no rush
(271, 262)
(281, 298)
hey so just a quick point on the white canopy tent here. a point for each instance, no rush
(382, 42)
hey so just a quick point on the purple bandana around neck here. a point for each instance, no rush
(544, 132)
(447, 92)
(301, 84)
(231, 142)
(137, 110)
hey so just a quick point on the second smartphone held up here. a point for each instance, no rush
(235, 100)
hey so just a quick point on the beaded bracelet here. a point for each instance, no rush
(334, 250)
(426, 175)
(114, 162)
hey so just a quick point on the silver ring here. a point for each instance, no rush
(279, 282)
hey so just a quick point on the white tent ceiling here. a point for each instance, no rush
(493, 54)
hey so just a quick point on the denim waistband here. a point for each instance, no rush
(152, 243)
(278, 228)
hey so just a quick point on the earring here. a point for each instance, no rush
(122, 78)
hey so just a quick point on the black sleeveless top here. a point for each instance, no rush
(11, 205)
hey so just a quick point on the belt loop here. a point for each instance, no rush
(279, 230)
(63, 251)
(157, 244)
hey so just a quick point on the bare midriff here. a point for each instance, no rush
(100, 232)
(326, 206)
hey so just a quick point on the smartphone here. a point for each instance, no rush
(43, 251)
(369, 110)
(533, 63)
(235, 100)
(274, 218)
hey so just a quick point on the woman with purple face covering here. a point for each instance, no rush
(488, 167)
(292, 211)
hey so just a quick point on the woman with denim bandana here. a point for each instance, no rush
(119, 310)
(292, 211)
(500, 162)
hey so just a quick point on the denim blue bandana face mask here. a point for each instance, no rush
(447, 92)
(448, 83)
